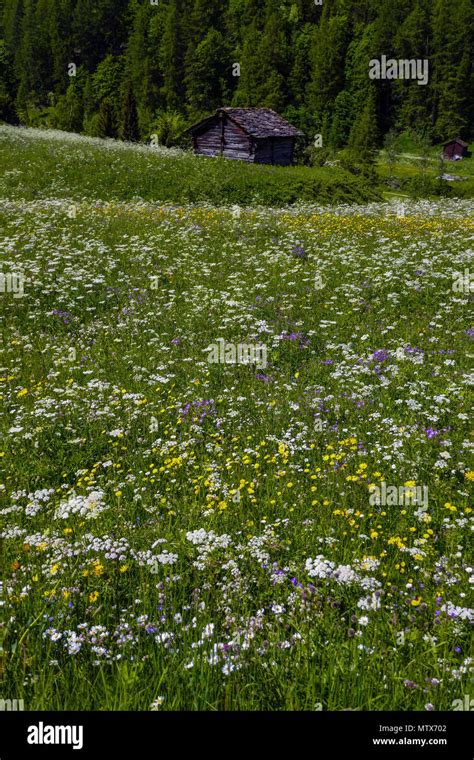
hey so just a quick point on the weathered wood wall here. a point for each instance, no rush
(226, 137)
(236, 143)
(208, 142)
(274, 150)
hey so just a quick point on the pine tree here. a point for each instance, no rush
(364, 134)
(7, 85)
(330, 42)
(25, 62)
(70, 109)
(209, 74)
(171, 53)
(453, 32)
(342, 120)
(129, 128)
(413, 101)
(106, 119)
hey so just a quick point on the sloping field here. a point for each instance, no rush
(234, 448)
(45, 163)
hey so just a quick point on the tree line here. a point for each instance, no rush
(125, 68)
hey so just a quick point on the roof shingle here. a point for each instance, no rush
(258, 122)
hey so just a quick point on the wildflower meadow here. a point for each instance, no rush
(235, 446)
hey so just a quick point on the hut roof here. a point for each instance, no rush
(257, 122)
(457, 140)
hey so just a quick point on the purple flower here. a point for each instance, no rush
(296, 336)
(381, 355)
(299, 252)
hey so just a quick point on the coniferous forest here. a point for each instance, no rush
(116, 67)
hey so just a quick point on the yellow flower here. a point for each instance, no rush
(93, 597)
(21, 393)
(54, 569)
(469, 475)
(123, 568)
(118, 493)
(98, 567)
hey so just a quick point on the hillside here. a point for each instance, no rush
(42, 164)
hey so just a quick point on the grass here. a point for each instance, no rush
(111, 170)
(408, 173)
(180, 534)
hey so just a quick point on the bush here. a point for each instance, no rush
(168, 128)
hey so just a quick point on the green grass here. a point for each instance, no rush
(82, 168)
(408, 172)
(110, 455)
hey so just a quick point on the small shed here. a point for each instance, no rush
(255, 135)
(455, 149)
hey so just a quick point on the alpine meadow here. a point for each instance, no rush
(236, 435)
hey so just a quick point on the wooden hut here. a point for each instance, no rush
(455, 149)
(255, 135)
